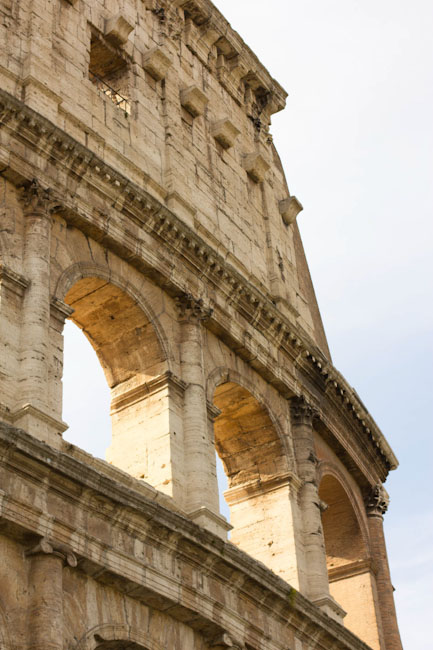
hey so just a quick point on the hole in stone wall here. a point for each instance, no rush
(108, 71)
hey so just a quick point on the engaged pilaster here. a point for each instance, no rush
(317, 588)
(32, 411)
(201, 484)
(46, 594)
(376, 505)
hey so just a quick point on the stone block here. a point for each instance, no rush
(156, 63)
(225, 132)
(193, 100)
(118, 28)
(289, 209)
(255, 166)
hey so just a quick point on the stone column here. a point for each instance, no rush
(45, 615)
(377, 505)
(201, 503)
(317, 588)
(32, 411)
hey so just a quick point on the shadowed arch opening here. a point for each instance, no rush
(260, 493)
(350, 570)
(136, 369)
(343, 538)
(245, 437)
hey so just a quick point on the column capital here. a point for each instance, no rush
(301, 411)
(38, 201)
(46, 546)
(378, 501)
(192, 309)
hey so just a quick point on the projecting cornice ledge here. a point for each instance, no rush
(138, 517)
(253, 305)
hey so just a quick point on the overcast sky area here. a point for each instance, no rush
(356, 142)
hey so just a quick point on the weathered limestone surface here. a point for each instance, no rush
(141, 196)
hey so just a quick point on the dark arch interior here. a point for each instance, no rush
(245, 437)
(343, 538)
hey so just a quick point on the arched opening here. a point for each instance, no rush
(86, 395)
(136, 371)
(350, 571)
(260, 494)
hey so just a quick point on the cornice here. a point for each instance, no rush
(157, 220)
(220, 49)
(141, 518)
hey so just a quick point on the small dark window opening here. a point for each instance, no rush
(109, 71)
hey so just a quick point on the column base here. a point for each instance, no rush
(330, 606)
(216, 524)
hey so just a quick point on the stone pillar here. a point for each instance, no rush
(317, 588)
(201, 502)
(45, 616)
(377, 505)
(32, 412)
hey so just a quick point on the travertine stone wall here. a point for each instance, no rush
(141, 196)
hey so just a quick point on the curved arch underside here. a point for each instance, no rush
(344, 542)
(120, 332)
(245, 437)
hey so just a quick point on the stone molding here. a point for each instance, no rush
(60, 311)
(138, 393)
(378, 501)
(13, 281)
(252, 305)
(33, 411)
(172, 533)
(262, 486)
(352, 569)
(45, 546)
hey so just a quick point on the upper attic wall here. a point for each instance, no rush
(171, 97)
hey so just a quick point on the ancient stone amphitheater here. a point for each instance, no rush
(142, 197)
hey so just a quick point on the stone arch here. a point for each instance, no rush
(81, 270)
(251, 443)
(135, 355)
(351, 572)
(328, 468)
(109, 636)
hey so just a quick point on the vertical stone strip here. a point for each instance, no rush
(201, 496)
(377, 505)
(32, 411)
(36, 311)
(45, 616)
(315, 554)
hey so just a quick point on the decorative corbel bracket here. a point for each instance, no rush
(256, 167)
(193, 100)
(156, 63)
(225, 133)
(117, 29)
(289, 209)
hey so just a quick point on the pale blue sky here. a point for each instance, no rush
(356, 143)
